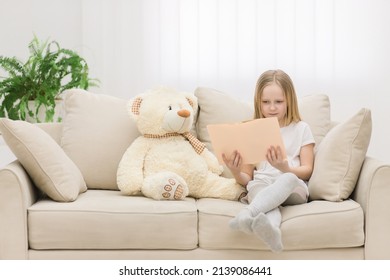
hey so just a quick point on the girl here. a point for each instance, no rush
(277, 180)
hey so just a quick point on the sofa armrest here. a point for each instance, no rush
(372, 192)
(17, 193)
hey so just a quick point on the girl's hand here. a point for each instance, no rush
(243, 173)
(233, 162)
(276, 159)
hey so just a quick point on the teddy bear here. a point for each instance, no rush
(167, 162)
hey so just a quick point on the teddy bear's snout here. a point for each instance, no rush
(184, 113)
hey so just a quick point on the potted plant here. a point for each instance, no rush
(37, 83)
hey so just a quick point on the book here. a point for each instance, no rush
(251, 139)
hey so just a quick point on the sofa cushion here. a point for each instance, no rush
(339, 158)
(51, 170)
(314, 225)
(96, 132)
(315, 110)
(105, 219)
(218, 107)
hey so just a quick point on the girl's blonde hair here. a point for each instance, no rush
(284, 81)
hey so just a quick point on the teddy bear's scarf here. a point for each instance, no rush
(195, 143)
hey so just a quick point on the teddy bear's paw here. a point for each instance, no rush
(217, 169)
(242, 198)
(173, 190)
(165, 186)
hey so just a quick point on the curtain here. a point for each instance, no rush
(134, 45)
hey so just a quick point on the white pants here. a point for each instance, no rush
(265, 196)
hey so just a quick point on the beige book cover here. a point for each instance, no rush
(251, 139)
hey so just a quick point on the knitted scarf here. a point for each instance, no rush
(195, 143)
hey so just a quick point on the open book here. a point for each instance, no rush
(251, 139)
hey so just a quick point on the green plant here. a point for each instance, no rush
(48, 71)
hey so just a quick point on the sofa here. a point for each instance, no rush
(60, 200)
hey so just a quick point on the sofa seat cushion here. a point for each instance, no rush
(105, 219)
(315, 225)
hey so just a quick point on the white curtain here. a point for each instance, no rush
(133, 45)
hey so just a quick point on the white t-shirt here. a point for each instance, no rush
(295, 136)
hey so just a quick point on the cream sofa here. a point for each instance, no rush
(59, 200)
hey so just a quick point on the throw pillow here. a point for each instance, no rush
(218, 107)
(97, 130)
(315, 110)
(339, 158)
(49, 167)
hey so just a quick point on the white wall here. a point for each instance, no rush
(335, 47)
(58, 20)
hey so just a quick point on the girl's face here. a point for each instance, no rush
(273, 103)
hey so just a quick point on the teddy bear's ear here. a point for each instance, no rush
(192, 100)
(135, 105)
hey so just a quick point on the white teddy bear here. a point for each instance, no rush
(166, 161)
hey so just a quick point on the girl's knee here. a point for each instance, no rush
(289, 177)
(292, 180)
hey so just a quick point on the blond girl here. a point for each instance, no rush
(278, 180)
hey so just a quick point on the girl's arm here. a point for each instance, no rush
(243, 173)
(304, 171)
